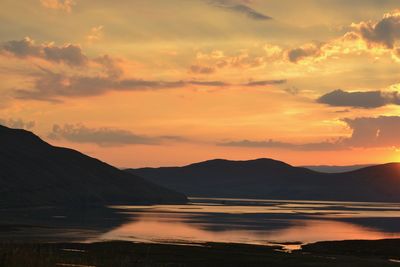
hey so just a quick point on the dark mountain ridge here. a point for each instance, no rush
(271, 179)
(34, 173)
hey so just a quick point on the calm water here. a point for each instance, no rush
(257, 221)
(217, 220)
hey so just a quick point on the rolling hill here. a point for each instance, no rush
(271, 179)
(34, 173)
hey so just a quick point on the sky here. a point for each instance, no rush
(160, 83)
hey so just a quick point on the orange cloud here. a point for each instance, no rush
(96, 34)
(208, 63)
(65, 5)
(373, 38)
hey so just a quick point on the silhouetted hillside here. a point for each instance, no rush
(271, 179)
(34, 173)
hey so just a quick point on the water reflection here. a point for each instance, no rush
(154, 230)
(47, 224)
(258, 221)
(215, 220)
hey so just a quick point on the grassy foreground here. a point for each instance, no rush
(124, 254)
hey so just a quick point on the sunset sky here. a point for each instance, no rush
(170, 82)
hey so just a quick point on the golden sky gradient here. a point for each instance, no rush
(155, 82)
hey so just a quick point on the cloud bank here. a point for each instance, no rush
(51, 86)
(104, 136)
(367, 132)
(102, 74)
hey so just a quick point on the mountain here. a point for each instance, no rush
(336, 169)
(34, 173)
(271, 179)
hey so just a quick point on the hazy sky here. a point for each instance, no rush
(170, 82)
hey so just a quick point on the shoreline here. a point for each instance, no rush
(384, 252)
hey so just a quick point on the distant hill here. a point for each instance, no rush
(34, 173)
(337, 169)
(271, 179)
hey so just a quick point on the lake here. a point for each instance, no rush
(247, 221)
(257, 221)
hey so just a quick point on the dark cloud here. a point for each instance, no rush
(22, 48)
(371, 99)
(248, 11)
(198, 69)
(208, 83)
(342, 111)
(51, 86)
(239, 7)
(292, 90)
(104, 136)
(367, 132)
(385, 32)
(381, 131)
(265, 82)
(69, 54)
(297, 54)
(18, 123)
